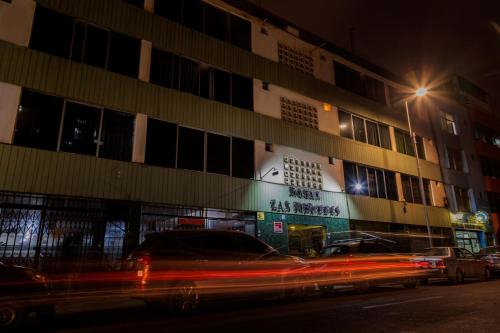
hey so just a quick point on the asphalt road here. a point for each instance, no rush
(438, 307)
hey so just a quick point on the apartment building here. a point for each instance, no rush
(121, 118)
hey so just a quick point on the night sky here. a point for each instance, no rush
(439, 36)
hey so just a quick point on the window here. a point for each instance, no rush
(164, 68)
(222, 86)
(420, 147)
(190, 149)
(374, 89)
(345, 124)
(390, 181)
(448, 123)
(295, 59)
(192, 13)
(454, 158)
(243, 158)
(119, 46)
(161, 143)
(80, 131)
(370, 181)
(302, 173)
(189, 76)
(215, 23)
(299, 113)
(385, 138)
(372, 133)
(242, 92)
(218, 154)
(171, 9)
(359, 129)
(38, 121)
(51, 32)
(62, 36)
(116, 136)
(403, 142)
(239, 30)
(487, 135)
(463, 204)
(347, 78)
(411, 189)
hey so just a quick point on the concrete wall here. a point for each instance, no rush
(16, 19)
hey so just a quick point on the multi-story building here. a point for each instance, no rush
(120, 118)
(471, 121)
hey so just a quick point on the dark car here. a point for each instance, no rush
(365, 263)
(491, 255)
(22, 291)
(179, 268)
(454, 263)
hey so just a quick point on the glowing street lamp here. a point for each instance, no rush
(419, 93)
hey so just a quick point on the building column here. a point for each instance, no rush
(145, 62)
(399, 186)
(393, 138)
(9, 97)
(149, 5)
(139, 143)
(16, 20)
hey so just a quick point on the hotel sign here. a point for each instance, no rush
(309, 203)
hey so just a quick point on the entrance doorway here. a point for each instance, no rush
(306, 240)
(468, 240)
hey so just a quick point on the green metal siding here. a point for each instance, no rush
(53, 75)
(37, 171)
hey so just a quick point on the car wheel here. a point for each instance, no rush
(184, 298)
(10, 316)
(486, 275)
(459, 277)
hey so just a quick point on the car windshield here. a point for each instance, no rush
(437, 251)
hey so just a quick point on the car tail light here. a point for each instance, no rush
(143, 266)
(440, 264)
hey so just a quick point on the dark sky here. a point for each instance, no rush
(437, 36)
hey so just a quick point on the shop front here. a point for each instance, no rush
(471, 230)
(301, 221)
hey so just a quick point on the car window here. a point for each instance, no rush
(231, 242)
(335, 250)
(373, 248)
(466, 254)
(458, 253)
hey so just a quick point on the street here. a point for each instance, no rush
(437, 307)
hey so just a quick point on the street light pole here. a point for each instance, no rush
(419, 173)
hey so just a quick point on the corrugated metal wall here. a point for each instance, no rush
(53, 75)
(37, 171)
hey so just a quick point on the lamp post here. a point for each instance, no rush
(420, 92)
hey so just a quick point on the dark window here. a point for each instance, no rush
(385, 138)
(38, 121)
(381, 184)
(116, 136)
(124, 54)
(96, 46)
(362, 183)
(192, 14)
(411, 189)
(359, 129)
(206, 81)
(403, 142)
(374, 90)
(345, 124)
(215, 23)
(409, 145)
(390, 182)
(242, 92)
(137, 3)
(372, 131)
(415, 189)
(462, 198)
(51, 32)
(164, 68)
(348, 79)
(407, 188)
(240, 32)
(427, 191)
(420, 147)
(218, 154)
(170, 9)
(242, 158)
(161, 142)
(455, 158)
(350, 177)
(78, 41)
(190, 149)
(190, 76)
(80, 129)
(222, 86)
(372, 183)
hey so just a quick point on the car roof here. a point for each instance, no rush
(203, 232)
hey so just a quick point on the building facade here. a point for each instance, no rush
(121, 118)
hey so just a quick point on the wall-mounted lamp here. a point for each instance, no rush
(273, 171)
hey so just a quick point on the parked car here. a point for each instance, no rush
(491, 255)
(365, 263)
(22, 291)
(179, 268)
(453, 263)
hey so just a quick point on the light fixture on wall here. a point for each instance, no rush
(273, 171)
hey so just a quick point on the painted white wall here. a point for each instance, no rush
(333, 175)
(16, 19)
(139, 143)
(268, 102)
(9, 103)
(145, 62)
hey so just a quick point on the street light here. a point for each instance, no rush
(420, 92)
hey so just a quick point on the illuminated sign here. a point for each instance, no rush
(278, 227)
(303, 208)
